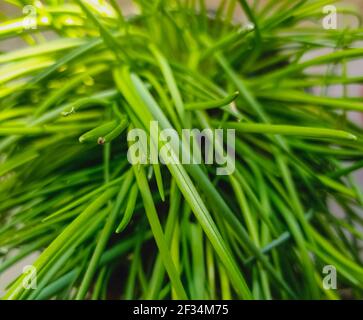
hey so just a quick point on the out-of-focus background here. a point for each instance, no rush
(354, 69)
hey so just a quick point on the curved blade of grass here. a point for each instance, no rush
(130, 207)
(212, 104)
(289, 130)
(158, 232)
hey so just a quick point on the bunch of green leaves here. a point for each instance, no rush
(105, 229)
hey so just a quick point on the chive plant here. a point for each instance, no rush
(88, 72)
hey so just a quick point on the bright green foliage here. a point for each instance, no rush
(88, 73)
